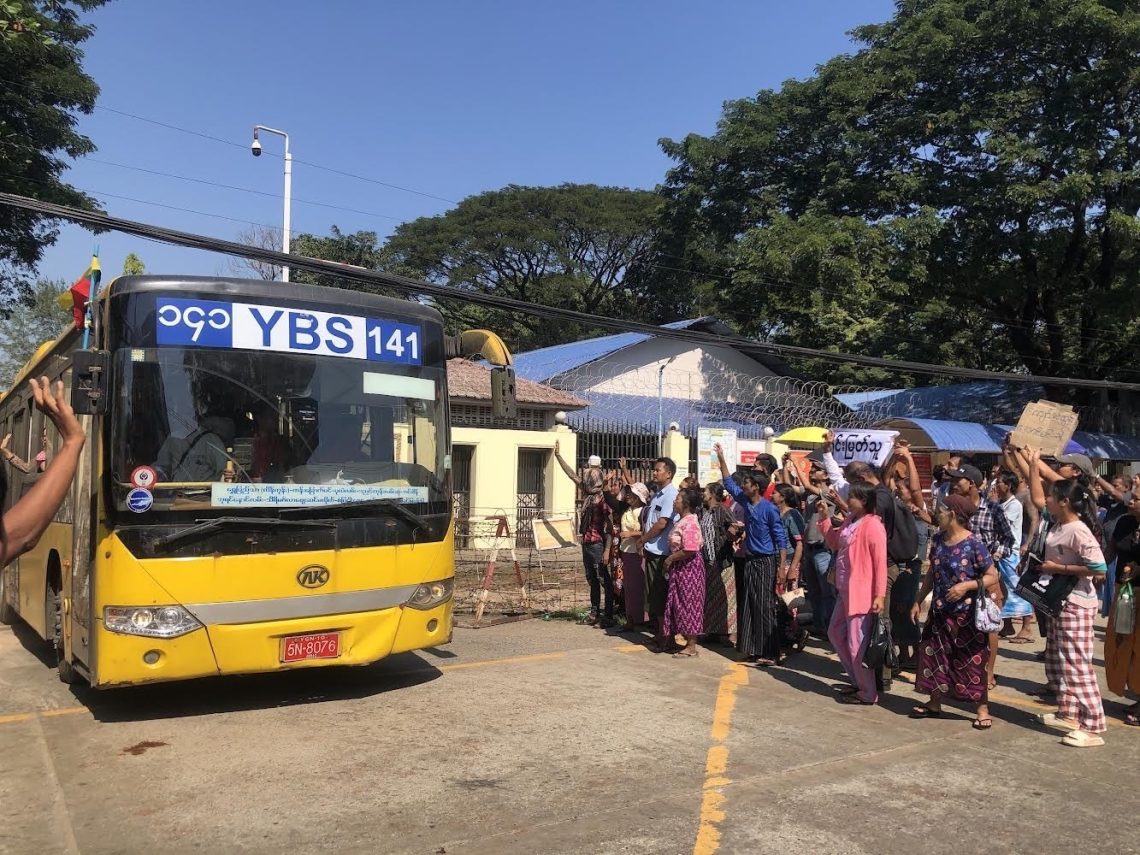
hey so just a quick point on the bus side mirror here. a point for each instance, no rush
(89, 382)
(504, 405)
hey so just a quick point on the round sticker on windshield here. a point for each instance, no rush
(139, 500)
(144, 476)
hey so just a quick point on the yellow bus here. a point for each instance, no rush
(265, 486)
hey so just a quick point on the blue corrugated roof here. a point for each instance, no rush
(546, 362)
(983, 401)
(956, 436)
(1109, 446)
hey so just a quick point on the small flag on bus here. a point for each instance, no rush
(80, 292)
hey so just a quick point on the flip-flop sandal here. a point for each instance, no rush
(923, 711)
(1019, 639)
(853, 701)
(1132, 719)
(681, 654)
(766, 663)
(847, 690)
(982, 723)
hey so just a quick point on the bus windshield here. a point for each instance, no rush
(224, 429)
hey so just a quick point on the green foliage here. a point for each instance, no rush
(963, 189)
(37, 318)
(42, 90)
(133, 266)
(570, 246)
(360, 249)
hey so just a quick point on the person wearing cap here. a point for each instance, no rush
(636, 497)
(953, 653)
(594, 522)
(990, 525)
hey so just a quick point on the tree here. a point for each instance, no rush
(569, 246)
(133, 266)
(43, 88)
(962, 189)
(40, 318)
(261, 237)
(359, 249)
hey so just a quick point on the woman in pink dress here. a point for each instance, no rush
(685, 601)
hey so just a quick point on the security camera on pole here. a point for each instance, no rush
(255, 147)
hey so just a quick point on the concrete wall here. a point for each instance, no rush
(633, 371)
(494, 470)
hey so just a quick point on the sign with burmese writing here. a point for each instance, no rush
(1046, 426)
(868, 446)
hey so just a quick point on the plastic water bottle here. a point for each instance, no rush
(1125, 611)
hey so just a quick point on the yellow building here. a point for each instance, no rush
(506, 467)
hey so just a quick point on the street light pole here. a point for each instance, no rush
(256, 148)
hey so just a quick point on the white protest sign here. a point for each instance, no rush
(708, 469)
(867, 446)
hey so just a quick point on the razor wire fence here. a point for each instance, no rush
(630, 406)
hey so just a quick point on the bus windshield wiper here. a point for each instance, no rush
(252, 523)
(349, 508)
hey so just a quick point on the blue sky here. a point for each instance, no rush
(446, 98)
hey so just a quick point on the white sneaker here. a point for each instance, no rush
(1056, 722)
(1082, 739)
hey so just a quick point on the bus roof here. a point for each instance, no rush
(265, 290)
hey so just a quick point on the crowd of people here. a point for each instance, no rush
(772, 554)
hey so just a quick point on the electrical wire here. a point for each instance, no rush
(415, 286)
(255, 192)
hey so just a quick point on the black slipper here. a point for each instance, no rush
(923, 711)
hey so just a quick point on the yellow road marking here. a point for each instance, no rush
(716, 762)
(629, 647)
(28, 716)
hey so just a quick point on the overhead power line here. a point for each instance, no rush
(445, 292)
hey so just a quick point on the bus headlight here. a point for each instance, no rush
(431, 594)
(150, 621)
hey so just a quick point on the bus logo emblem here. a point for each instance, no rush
(313, 576)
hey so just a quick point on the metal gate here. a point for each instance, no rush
(461, 492)
(531, 493)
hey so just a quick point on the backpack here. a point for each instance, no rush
(902, 547)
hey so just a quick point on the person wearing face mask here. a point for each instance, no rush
(953, 653)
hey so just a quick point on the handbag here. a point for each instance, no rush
(987, 615)
(879, 649)
(794, 599)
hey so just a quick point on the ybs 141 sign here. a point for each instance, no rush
(246, 326)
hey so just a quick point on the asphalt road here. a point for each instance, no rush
(544, 737)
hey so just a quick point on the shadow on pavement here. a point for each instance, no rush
(254, 691)
(34, 644)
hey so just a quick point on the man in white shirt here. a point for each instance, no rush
(1016, 609)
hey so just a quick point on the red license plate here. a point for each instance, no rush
(321, 645)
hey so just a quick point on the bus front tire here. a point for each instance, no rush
(54, 623)
(7, 613)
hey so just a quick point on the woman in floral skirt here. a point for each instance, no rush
(685, 600)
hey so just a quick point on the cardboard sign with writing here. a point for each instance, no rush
(1046, 426)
